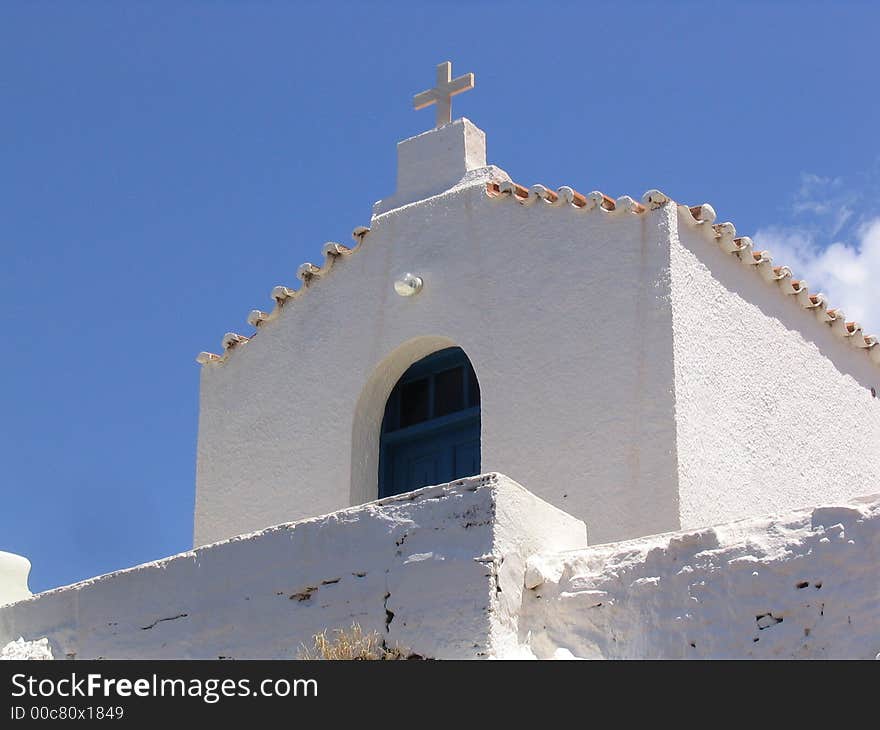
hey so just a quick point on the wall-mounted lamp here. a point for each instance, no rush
(408, 285)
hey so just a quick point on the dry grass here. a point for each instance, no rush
(352, 644)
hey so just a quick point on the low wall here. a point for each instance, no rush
(804, 585)
(438, 571)
(14, 571)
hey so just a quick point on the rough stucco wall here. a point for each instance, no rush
(28, 650)
(805, 585)
(438, 571)
(773, 411)
(564, 314)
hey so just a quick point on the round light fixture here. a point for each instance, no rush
(408, 285)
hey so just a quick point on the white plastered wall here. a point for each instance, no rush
(438, 572)
(564, 314)
(773, 410)
(798, 585)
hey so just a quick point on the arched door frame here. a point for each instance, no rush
(370, 409)
(443, 423)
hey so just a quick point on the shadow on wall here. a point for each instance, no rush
(752, 288)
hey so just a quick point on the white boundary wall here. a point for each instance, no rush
(801, 585)
(438, 571)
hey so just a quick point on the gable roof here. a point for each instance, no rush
(701, 216)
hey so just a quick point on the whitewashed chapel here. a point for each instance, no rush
(640, 370)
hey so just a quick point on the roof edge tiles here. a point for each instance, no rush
(723, 234)
(702, 216)
(283, 296)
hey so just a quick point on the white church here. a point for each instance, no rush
(508, 421)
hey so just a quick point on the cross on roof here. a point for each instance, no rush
(442, 94)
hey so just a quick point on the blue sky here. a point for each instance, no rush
(164, 165)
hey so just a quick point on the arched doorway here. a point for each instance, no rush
(431, 428)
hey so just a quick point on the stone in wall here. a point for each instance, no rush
(21, 649)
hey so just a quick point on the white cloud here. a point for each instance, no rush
(847, 272)
(830, 238)
(827, 197)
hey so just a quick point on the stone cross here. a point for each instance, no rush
(442, 94)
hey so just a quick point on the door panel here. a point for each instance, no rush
(435, 458)
(467, 457)
(413, 470)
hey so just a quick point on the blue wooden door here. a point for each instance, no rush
(431, 429)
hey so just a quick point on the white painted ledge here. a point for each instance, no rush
(438, 571)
